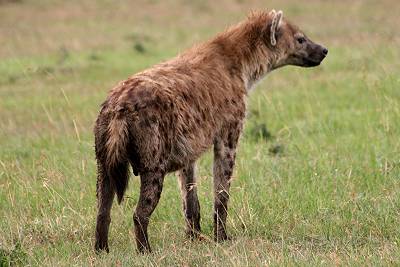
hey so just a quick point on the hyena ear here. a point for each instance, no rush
(276, 21)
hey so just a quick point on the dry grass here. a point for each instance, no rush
(317, 177)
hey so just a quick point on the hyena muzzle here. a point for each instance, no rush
(162, 119)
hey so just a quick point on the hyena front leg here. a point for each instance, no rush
(224, 161)
(150, 192)
(191, 205)
(105, 196)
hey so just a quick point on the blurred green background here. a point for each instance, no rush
(318, 168)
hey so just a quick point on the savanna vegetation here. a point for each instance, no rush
(317, 178)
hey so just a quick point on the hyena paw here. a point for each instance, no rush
(101, 246)
(221, 237)
(194, 235)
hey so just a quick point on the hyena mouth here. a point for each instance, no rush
(312, 61)
(316, 58)
(309, 62)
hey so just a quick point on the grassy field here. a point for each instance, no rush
(317, 180)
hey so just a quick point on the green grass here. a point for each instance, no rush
(317, 180)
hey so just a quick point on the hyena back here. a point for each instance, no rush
(162, 119)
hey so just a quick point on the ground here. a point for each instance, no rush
(317, 180)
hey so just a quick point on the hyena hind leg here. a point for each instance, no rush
(150, 193)
(105, 196)
(190, 201)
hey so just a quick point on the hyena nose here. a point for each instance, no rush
(325, 51)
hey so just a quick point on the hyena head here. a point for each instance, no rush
(290, 45)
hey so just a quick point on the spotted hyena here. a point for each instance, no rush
(162, 119)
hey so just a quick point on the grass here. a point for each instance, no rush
(318, 167)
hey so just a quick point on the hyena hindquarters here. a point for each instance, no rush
(122, 138)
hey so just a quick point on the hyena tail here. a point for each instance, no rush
(111, 150)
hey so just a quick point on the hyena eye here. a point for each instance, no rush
(301, 40)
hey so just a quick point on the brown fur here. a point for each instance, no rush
(162, 119)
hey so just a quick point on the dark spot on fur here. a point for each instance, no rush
(185, 96)
(203, 115)
(136, 219)
(144, 123)
(230, 144)
(168, 146)
(233, 70)
(231, 163)
(231, 140)
(144, 94)
(153, 119)
(148, 201)
(131, 94)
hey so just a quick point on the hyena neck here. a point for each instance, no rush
(255, 69)
(244, 48)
